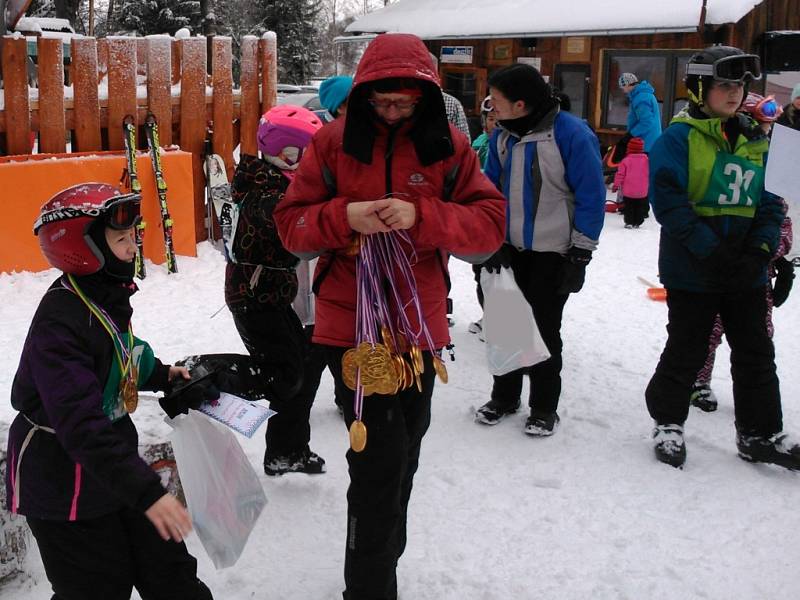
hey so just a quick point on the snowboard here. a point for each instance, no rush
(219, 198)
(235, 374)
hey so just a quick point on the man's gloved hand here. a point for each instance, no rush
(499, 260)
(783, 281)
(573, 272)
(191, 393)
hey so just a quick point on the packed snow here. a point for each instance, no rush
(495, 514)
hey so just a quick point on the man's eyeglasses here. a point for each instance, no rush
(398, 104)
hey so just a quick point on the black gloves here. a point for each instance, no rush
(573, 272)
(752, 264)
(784, 274)
(190, 393)
(499, 260)
(722, 261)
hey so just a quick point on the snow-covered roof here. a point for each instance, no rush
(431, 19)
(39, 24)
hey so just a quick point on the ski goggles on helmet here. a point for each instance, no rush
(123, 212)
(739, 68)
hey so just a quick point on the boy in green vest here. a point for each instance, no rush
(719, 228)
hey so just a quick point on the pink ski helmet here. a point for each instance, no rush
(286, 126)
(64, 222)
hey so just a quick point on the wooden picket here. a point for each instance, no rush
(52, 119)
(85, 103)
(17, 103)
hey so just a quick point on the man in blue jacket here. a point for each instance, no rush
(644, 114)
(545, 161)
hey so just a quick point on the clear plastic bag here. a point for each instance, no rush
(512, 337)
(223, 493)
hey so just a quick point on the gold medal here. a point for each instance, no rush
(388, 338)
(440, 368)
(350, 368)
(358, 436)
(416, 356)
(130, 391)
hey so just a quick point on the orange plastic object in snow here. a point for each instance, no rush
(27, 182)
(658, 294)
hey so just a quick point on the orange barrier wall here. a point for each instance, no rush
(28, 182)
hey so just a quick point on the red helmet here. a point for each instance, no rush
(286, 126)
(64, 222)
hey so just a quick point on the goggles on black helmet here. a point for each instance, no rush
(123, 212)
(738, 68)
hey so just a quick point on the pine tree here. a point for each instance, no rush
(148, 17)
(294, 22)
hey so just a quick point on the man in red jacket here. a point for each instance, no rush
(393, 163)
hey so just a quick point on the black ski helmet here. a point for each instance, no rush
(719, 63)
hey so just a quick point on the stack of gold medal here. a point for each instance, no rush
(388, 356)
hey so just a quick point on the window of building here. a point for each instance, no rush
(468, 84)
(573, 80)
(663, 69)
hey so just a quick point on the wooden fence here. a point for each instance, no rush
(84, 99)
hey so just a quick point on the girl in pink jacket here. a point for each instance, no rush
(632, 178)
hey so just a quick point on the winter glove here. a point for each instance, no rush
(722, 262)
(499, 260)
(573, 272)
(752, 264)
(191, 393)
(783, 281)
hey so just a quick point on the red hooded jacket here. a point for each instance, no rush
(425, 161)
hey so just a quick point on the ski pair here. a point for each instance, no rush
(151, 133)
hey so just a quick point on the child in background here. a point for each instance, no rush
(261, 285)
(101, 518)
(632, 180)
(488, 121)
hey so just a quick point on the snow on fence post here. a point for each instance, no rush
(268, 46)
(17, 105)
(52, 119)
(86, 107)
(250, 106)
(121, 87)
(159, 84)
(193, 119)
(222, 82)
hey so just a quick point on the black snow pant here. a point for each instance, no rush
(276, 340)
(106, 557)
(634, 210)
(381, 478)
(476, 270)
(538, 275)
(756, 391)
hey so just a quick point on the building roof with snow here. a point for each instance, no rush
(447, 19)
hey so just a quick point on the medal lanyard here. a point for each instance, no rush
(124, 352)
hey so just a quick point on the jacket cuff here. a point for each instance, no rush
(159, 378)
(153, 493)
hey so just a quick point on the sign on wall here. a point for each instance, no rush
(456, 54)
(534, 61)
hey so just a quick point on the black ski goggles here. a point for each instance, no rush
(123, 212)
(739, 68)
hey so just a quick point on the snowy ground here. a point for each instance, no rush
(496, 515)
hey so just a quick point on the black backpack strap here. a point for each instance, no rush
(450, 182)
(329, 180)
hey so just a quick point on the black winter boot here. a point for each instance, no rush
(777, 449)
(493, 411)
(669, 445)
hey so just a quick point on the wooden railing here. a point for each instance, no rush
(80, 103)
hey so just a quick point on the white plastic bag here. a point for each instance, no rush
(512, 338)
(223, 492)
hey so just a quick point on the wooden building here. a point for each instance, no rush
(582, 46)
